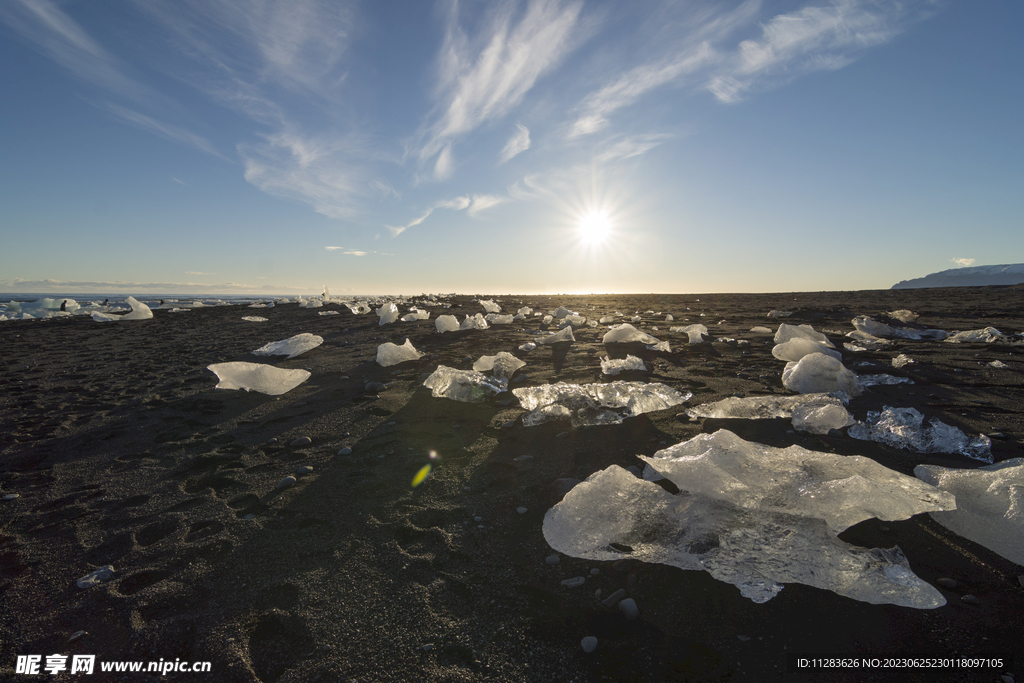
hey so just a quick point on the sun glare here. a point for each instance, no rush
(595, 227)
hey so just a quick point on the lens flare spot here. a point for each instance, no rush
(434, 455)
(422, 475)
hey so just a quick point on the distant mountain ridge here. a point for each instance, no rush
(973, 276)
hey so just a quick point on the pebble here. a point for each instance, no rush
(614, 598)
(562, 435)
(97, 576)
(946, 583)
(285, 483)
(11, 496)
(595, 571)
(970, 599)
(305, 469)
(629, 609)
(76, 635)
(249, 516)
(552, 559)
(478, 519)
(345, 451)
(574, 582)
(589, 644)
(301, 441)
(522, 458)
(427, 647)
(521, 510)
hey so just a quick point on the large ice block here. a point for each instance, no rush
(502, 366)
(446, 323)
(467, 386)
(389, 354)
(563, 335)
(611, 366)
(291, 347)
(904, 428)
(762, 407)
(798, 347)
(265, 379)
(627, 334)
(816, 373)
(594, 404)
(987, 335)
(788, 332)
(388, 314)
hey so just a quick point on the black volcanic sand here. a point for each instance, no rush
(123, 453)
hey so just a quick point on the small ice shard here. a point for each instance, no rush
(388, 313)
(607, 319)
(291, 347)
(868, 342)
(523, 313)
(788, 332)
(498, 319)
(875, 380)
(630, 363)
(753, 516)
(139, 311)
(250, 318)
(415, 314)
(779, 314)
(761, 329)
(490, 307)
(998, 364)
(697, 333)
(987, 335)
(903, 315)
(901, 360)
(574, 320)
(904, 428)
(593, 404)
(820, 417)
(502, 366)
(561, 312)
(879, 329)
(389, 354)
(798, 347)
(476, 322)
(627, 334)
(265, 379)
(819, 373)
(447, 323)
(360, 307)
(762, 407)
(565, 335)
(467, 386)
(528, 346)
(662, 347)
(989, 504)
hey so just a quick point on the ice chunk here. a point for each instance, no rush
(752, 516)
(818, 373)
(998, 364)
(523, 313)
(779, 314)
(490, 307)
(879, 329)
(265, 379)
(988, 335)
(561, 312)
(788, 332)
(291, 347)
(476, 322)
(593, 404)
(875, 380)
(565, 335)
(528, 346)
(901, 360)
(696, 332)
(627, 334)
(447, 323)
(574, 320)
(389, 354)
(415, 314)
(798, 347)
(497, 319)
(904, 428)
(139, 311)
(250, 318)
(761, 329)
(607, 319)
(503, 365)
(388, 313)
(359, 307)
(989, 504)
(762, 407)
(614, 367)
(819, 418)
(903, 315)
(467, 386)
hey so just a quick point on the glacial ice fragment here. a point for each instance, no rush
(265, 379)
(467, 386)
(502, 366)
(867, 342)
(798, 347)
(779, 314)
(414, 315)
(476, 322)
(250, 318)
(987, 335)
(989, 504)
(762, 407)
(614, 367)
(878, 329)
(903, 315)
(389, 354)
(904, 428)
(291, 347)
(627, 334)
(564, 335)
(788, 332)
(388, 314)
(593, 404)
(490, 307)
(876, 380)
(819, 418)
(901, 360)
(752, 516)
(697, 333)
(446, 323)
(498, 319)
(818, 373)
(561, 312)
(761, 329)
(140, 311)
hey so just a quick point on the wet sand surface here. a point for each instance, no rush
(123, 453)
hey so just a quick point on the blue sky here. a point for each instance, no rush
(236, 146)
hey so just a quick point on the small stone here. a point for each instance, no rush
(552, 559)
(345, 451)
(456, 426)
(743, 639)
(595, 571)
(97, 576)
(522, 458)
(11, 496)
(285, 483)
(574, 582)
(614, 598)
(76, 635)
(629, 609)
(478, 519)
(521, 510)
(562, 435)
(427, 647)
(249, 516)
(589, 644)
(970, 599)
(305, 469)
(946, 583)
(301, 442)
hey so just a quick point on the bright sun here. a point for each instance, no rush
(595, 227)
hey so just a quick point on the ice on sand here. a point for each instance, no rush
(467, 386)
(595, 404)
(414, 315)
(821, 417)
(819, 373)
(627, 334)
(630, 363)
(879, 329)
(989, 504)
(788, 332)
(446, 323)
(904, 428)
(762, 407)
(564, 335)
(490, 307)
(291, 347)
(798, 347)
(499, 319)
(388, 314)
(140, 311)
(753, 516)
(389, 354)
(987, 335)
(476, 322)
(265, 379)
(503, 365)
(696, 332)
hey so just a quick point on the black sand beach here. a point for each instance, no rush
(122, 453)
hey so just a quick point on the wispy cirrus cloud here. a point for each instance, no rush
(135, 287)
(963, 262)
(517, 144)
(474, 203)
(165, 130)
(349, 252)
(484, 78)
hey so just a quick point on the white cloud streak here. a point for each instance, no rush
(164, 130)
(517, 144)
(963, 262)
(475, 203)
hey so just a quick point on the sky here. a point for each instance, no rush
(539, 146)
